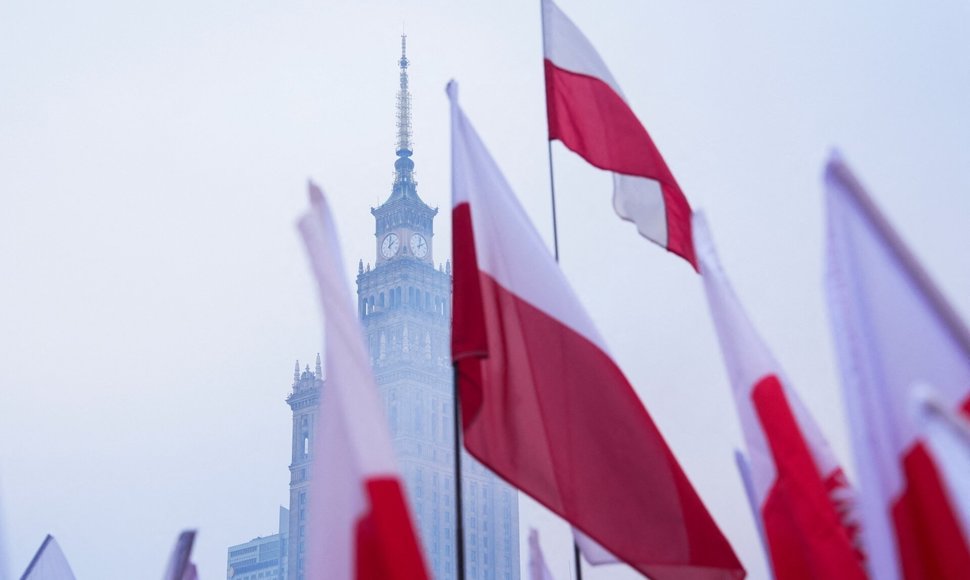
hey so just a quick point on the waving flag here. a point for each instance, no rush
(801, 492)
(544, 405)
(894, 330)
(589, 114)
(360, 527)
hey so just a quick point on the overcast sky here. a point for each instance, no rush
(153, 159)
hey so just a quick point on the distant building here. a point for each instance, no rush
(261, 558)
(404, 303)
(303, 400)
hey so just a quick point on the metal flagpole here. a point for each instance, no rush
(459, 526)
(555, 234)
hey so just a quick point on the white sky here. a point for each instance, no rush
(153, 156)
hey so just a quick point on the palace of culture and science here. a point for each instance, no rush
(404, 304)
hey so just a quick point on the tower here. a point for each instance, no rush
(404, 303)
(303, 400)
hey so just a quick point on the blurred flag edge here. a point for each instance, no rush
(893, 329)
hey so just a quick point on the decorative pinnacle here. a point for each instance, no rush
(296, 372)
(319, 368)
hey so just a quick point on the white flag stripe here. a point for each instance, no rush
(592, 551)
(370, 446)
(948, 435)
(640, 200)
(744, 472)
(49, 563)
(569, 49)
(745, 355)
(511, 250)
(538, 569)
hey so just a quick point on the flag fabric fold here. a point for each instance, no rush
(893, 330)
(360, 526)
(538, 569)
(802, 496)
(588, 113)
(543, 403)
(948, 436)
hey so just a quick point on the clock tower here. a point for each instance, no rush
(404, 303)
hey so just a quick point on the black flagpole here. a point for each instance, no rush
(555, 236)
(459, 527)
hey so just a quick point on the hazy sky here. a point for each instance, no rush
(153, 159)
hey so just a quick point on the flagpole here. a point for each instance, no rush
(555, 228)
(459, 519)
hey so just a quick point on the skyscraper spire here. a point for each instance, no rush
(404, 103)
(404, 184)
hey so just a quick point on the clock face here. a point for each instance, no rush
(390, 245)
(419, 246)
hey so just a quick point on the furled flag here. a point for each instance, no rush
(360, 526)
(589, 114)
(180, 566)
(801, 492)
(893, 330)
(948, 436)
(48, 563)
(538, 570)
(542, 402)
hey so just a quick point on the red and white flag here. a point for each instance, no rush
(801, 494)
(542, 402)
(589, 114)
(894, 330)
(360, 526)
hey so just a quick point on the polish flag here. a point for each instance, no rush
(589, 114)
(360, 526)
(801, 494)
(542, 402)
(893, 330)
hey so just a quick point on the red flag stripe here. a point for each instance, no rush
(591, 119)
(386, 547)
(931, 541)
(540, 425)
(805, 537)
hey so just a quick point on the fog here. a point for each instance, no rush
(153, 160)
